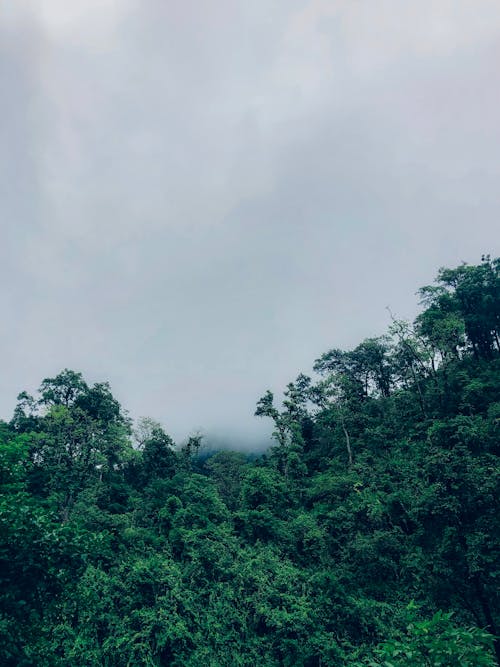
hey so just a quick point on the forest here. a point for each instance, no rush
(367, 535)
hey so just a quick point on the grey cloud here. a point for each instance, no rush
(200, 199)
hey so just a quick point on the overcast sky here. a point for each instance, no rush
(198, 198)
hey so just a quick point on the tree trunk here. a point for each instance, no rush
(495, 334)
(347, 440)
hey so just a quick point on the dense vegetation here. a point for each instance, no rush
(368, 535)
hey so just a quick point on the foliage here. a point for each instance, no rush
(436, 642)
(119, 548)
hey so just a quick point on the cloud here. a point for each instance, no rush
(200, 198)
(88, 24)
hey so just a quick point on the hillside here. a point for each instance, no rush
(367, 535)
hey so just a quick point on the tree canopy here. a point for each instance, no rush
(367, 535)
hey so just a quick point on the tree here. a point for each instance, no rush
(64, 389)
(466, 296)
(158, 454)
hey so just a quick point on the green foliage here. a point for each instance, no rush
(382, 487)
(436, 642)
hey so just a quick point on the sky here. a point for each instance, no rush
(198, 199)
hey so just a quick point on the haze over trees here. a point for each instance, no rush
(366, 536)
